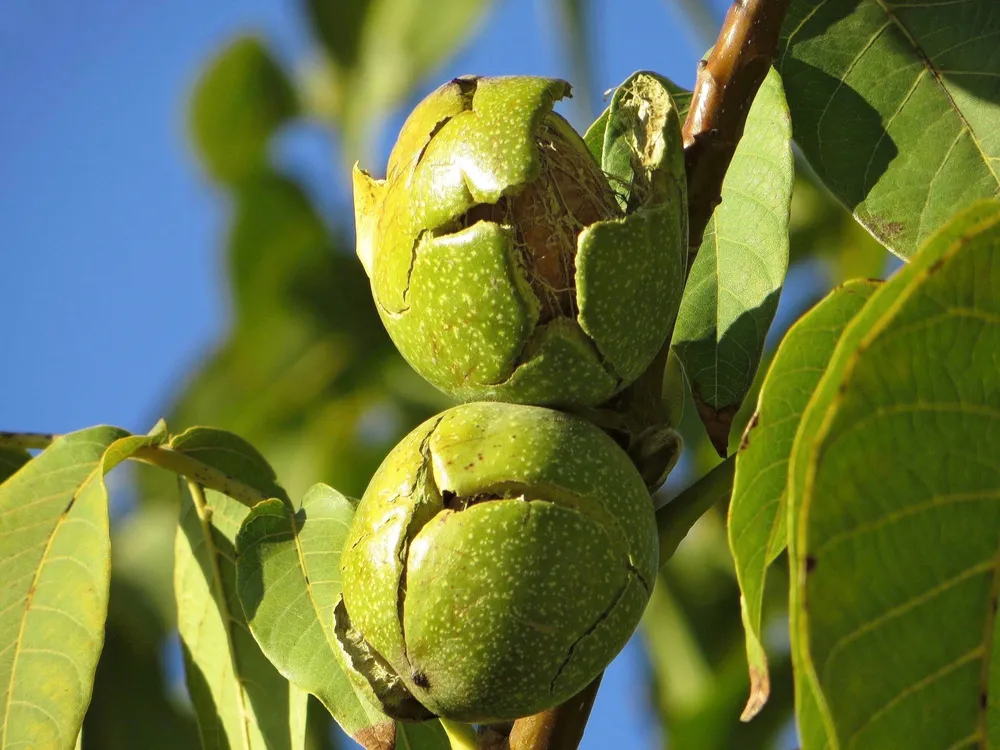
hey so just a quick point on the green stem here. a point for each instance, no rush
(675, 519)
(461, 736)
(195, 471)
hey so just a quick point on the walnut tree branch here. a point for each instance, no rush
(559, 728)
(727, 83)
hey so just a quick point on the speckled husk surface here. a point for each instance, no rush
(500, 558)
(502, 260)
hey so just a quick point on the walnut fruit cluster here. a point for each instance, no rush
(504, 551)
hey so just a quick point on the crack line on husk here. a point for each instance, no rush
(425, 476)
(605, 614)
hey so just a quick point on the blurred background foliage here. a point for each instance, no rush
(307, 374)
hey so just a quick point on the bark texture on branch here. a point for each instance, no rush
(723, 92)
(559, 728)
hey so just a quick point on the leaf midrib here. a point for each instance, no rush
(98, 466)
(219, 593)
(931, 68)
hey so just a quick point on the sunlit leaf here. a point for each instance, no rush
(895, 105)
(734, 284)
(55, 567)
(289, 582)
(131, 704)
(757, 511)
(230, 454)
(893, 513)
(240, 699)
(238, 103)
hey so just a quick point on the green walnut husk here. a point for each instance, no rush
(500, 558)
(510, 262)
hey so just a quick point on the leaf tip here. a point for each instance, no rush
(718, 423)
(760, 691)
(381, 736)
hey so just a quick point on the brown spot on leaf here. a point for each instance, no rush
(810, 563)
(885, 231)
(983, 700)
(745, 440)
(380, 736)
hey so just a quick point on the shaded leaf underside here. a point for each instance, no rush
(895, 104)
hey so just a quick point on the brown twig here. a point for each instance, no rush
(559, 728)
(726, 86)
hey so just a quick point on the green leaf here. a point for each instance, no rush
(675, 519)
(380, 49)
(893, 513)
(757, 511)
(131, 705)
(339, 28)
(237, 104)
(55, 565)
(277, 243)
(736, 278)
(695, 649)
(895, 105)
(428, 735)
(240, 699)
(288, 579)
(230, 454)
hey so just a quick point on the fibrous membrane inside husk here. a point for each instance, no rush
(548, 214)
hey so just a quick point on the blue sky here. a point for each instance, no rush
(111, 235)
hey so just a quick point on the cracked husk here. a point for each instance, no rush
(500, 558)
